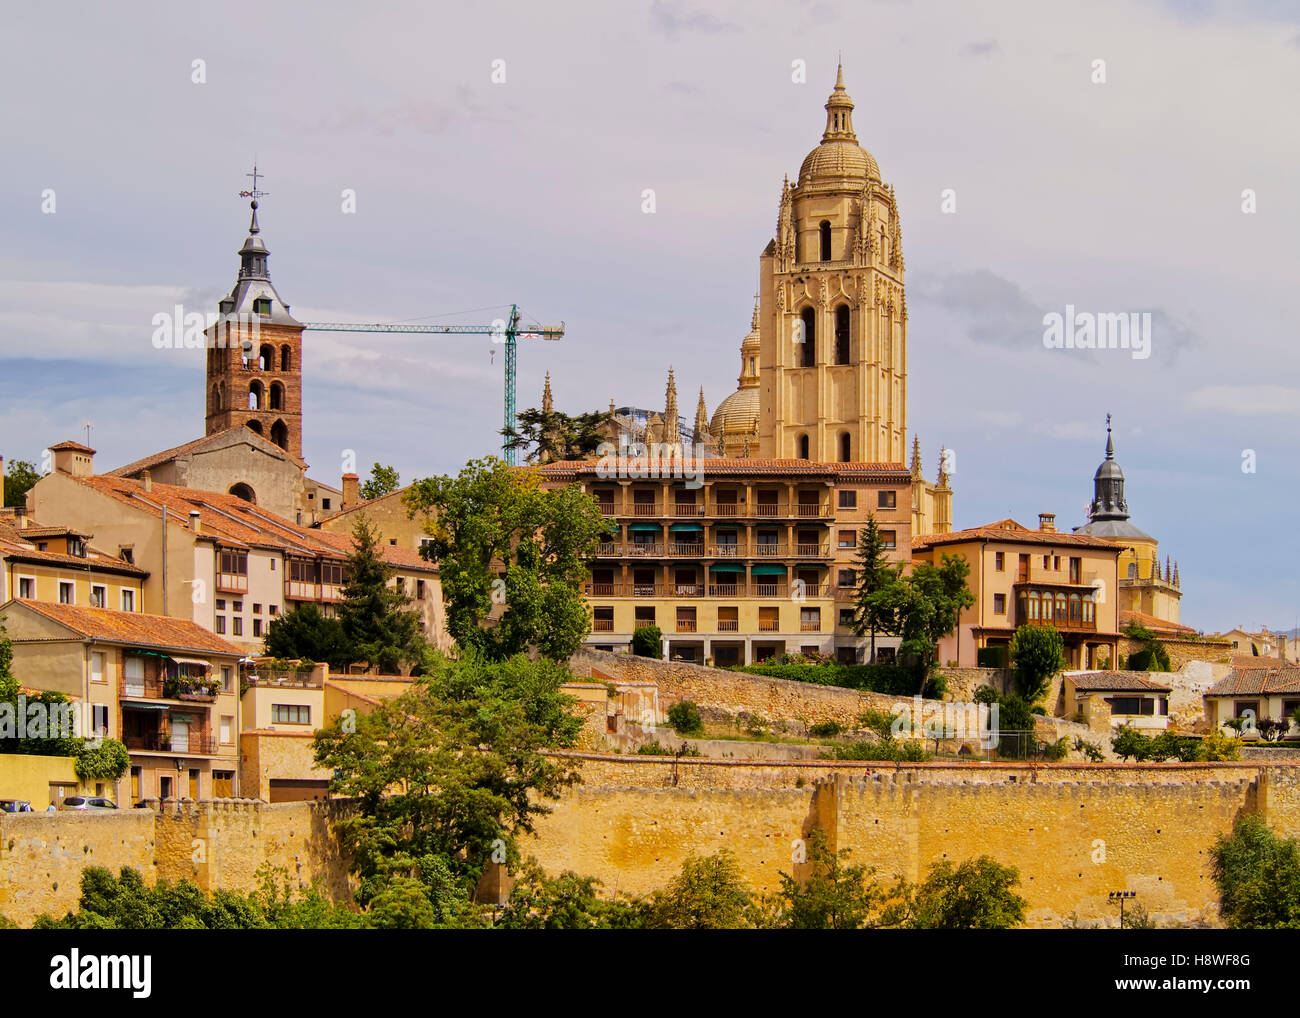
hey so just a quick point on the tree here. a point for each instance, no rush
(556, 436)
(923, 607)
(106, 762)
(1017, 736)
(1152, 657)
(565, 902)
(648, 641)
(447, 777)
(835, 896)
(708, 894)
(47, 732)
(1258, 876)
(383, 481)
(874, 573)
(501, 540)
(975, 895)
(19, 477)
(1038, 653)
(377, 623)
(684, 716)
(307, 634)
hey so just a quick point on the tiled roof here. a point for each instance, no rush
(1261, 679)
(134, 628)
(729, 466)
(1154, 624)
(17, 546)
(1114, 682)
(72, 447)
(1010, 531)
(402, 558)
(177, 451)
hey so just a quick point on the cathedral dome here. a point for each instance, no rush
(839, 159)
(736, 414)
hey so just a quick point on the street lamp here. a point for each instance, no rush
(1121, 897)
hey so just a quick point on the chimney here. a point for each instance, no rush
(74, 459)
(351, 490)
(196, 524)
(146, 481)
(1047, 522)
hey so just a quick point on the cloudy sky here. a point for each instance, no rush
(1119, 196)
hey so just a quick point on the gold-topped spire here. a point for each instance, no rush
(839, 112)
(547, 403)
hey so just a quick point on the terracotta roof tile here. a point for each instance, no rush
(1154, 624)
(134, 628)
(72, 446)
(1010, 531)
(1261, 679)
(1119, 682)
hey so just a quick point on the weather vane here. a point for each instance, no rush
(254, 193)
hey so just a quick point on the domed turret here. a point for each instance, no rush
(736, 415)
(839, 162)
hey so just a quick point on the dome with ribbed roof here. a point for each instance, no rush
(736, 414)
(839, 158)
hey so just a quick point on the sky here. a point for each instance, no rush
(1168, 188)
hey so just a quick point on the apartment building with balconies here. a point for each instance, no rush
(167, 688)
(737, 560)
(1037, 577)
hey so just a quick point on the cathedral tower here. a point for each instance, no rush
(834, 320)
(254, 375)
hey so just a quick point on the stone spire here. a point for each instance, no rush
(1169, 572)
(839, 112)
(672, 429)
(942, 481)
(1108, 502)
(916, 457)
(548, 404)
(701, 419)
(1177, 582)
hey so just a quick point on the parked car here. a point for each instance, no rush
(84, 803)
(15, 806)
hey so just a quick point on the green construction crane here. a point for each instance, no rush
(501, 331)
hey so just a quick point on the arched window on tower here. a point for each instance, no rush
(255, 396)
(243, 491)
(842, 334)
(266, 358)
(255, 426)
(277, 396)
(286, 358)
(215, 406)
(846, 448)
(824, 231)
(809, 319)
(803, 447)
(280, 434)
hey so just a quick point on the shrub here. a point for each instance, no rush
(935, 687)
(908, 751)
(685, 718)
(878, 721)
(825, 729)
(986, 694)
(647, 641)
(1089, 749)
(105, 762)
(1220, 746)
(991, 657)
(1128, 742)
(1016, 727)
(893, 679)
(1058, 750)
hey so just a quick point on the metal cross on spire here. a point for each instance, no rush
(254, 193)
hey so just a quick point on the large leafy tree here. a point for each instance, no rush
(306, 633)
(383, 481)
(977, 894)
(874, 574)
(19, 477)
(565, 902)
(547, 436)
(708, 894)
(836, 895)
(923, 607)
(55, 708)
(376, 617)
(1258, 876)
(446, 778)
(501, 541)
(1038, 653)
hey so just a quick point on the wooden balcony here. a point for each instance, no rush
(728, 625)
(234, 583)
(710, 590)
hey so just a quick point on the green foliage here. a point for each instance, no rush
(935, 687)
(1219, 746)
(647, 641)
(56, 709)
(377, 620)
(903, 750)
(1153, 657)
(1038, 653)
(974, 895)
(449, 775)
(1058, 750)
(1016, 739)
(879, 721)
(834, 896)
(684, 716)
(657, 748)
(874, 573)
(550, 436)
(306, 632)
(825, 729)
(1258, 877)
(1089, 749)
(708, 894)
(106, 762)
(991, 657)
(492, 519)
(383, 481)
(19, 477)
(986, 695)
(1129, 743)
(564, 902)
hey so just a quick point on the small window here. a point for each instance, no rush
(999, 604)
(392, 541)
(128, 600)
(846, 617)
(99, 718)
(275, 608)
(419, 590)
(847, 539)
(237, 626)
(97, 667)
(227, 730)
(257, 608)
(221, 625)
(886, 500)
(1000, 561)
(27, 588)
(848, 577)
(804, 447)
(226, 679)
(257, 627)
(262, 306)
(848, 499)
(824, 236)
(67, 593)
(889, 538)
(98, 596)
(325, 504)
(237, 606)
(221, 604)
(290, 714)
(127, 554)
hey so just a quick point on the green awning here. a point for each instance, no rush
(767, 569)
(727, 567)
(694, 527)
(654, 528)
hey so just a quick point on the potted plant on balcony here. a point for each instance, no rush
(189, 687)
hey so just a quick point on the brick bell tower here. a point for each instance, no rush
(254, 376)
